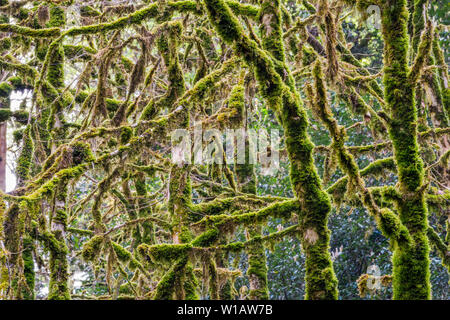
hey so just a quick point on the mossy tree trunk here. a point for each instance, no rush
(411, 274)
(3, 156)
(56, 243)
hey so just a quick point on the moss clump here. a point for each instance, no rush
(18, 135)
(5, 114)
(5, 89)
(167, 285)
(164, 253)
(207, 238)
(81, 153)
(17, 82)
(122, 254)
(112, 105)
(55, 74)
(21, 116)
(91, 249)
(81, 97)
(57, 16)
(88, 11)
(59, 269)
(125, 135)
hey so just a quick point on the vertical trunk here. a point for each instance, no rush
(411, 275)
(56, 242)
(3, 146)
(56, 239)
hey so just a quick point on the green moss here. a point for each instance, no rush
(91, 249)
(311, 9)
(61, 217)
(5, 89)
(88, 11)
(122, 254)
(55, 73)
(18, 135)
(410, 263)
(57, 16)
(5, 44)
(5, 115)
(270, 21)
(166, 286)
(440, 245)
(81, 96)
(257, 270)
(17, 82)
(213, 280)
(243, 9)
(25, 157)
(418, 22)
(125, 135)
(277, 210)
(81, 153)
(25, 31)
(21, 116)
(164, 253)
(112, 105)
(392, 227)
(190, 284)
(28, 269)
(206, 239)
(59, 269)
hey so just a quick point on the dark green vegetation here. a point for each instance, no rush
(91, 95)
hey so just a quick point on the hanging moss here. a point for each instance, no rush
(246, 180)
(105, 138)
(213, 280)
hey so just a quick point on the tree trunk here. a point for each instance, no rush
(411, 274)
(3, 146)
